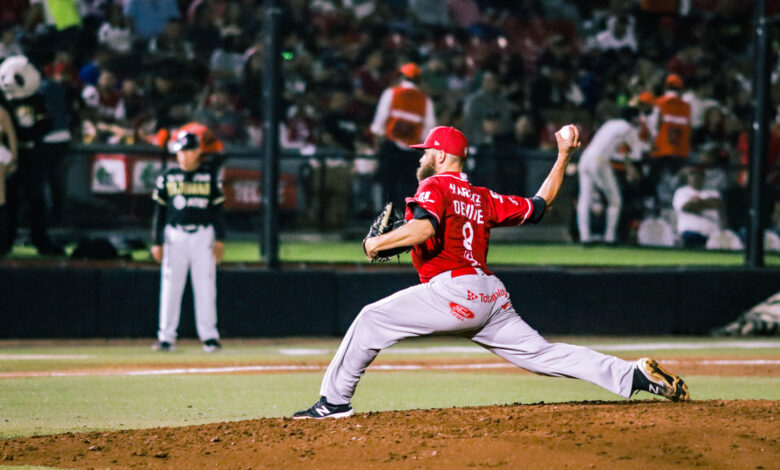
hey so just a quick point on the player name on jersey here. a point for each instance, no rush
(465, 209)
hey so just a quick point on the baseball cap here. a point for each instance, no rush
(410, 70)
(445, 138)
(674, 81)
(185, 141)
(646, 97)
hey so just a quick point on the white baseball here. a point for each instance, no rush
(565, 132)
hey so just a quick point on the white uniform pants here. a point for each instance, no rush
(477, 307)
(602, 177)
(184, 253)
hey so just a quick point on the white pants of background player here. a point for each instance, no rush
(601, 177)
(488, 319)
(184, 253)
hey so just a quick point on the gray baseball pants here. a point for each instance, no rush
(475, 306)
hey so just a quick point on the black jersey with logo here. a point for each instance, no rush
(188, 198)
(31, 118)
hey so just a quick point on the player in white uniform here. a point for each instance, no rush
(188, 230)
(449, 223)
(596, 174)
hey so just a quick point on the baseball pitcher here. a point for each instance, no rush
(448, 226)
(188, 230)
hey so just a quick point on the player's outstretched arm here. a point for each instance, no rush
(568, 138)
(411, 233)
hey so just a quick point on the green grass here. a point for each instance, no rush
(53, 405)
(46, 405)
(500, 254)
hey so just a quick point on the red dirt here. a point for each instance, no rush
(603, 435)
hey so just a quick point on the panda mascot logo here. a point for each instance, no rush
(19, 79)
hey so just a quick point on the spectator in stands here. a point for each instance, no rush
(619, 34)
(670, 126)
(102, 101)
(133, 102)
(712, 132)
(553, 88)
(57, 20)
(403, 116)
(526, 131)
(251, 83)
(297, 129)
(697, 210)
(368, 82)
(148, 18)
(700, 98)
(171, 43)
(487, 100)
(227, 62)
(89, 73)
(337, 128)
(220, 114)
(115, 33)
(169, 98)
(8, 44)
(201, 31)
(712, 165)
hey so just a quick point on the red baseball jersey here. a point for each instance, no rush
(464, 214)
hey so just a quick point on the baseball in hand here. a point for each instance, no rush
(565, 132)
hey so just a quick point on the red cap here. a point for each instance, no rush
(674, 81)
(646, 97)
(410, 70)
(445, 138)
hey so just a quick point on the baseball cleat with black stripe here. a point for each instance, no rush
(322, 409)
(651, 377)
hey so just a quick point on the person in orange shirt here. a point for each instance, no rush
(403, 116)
(670, 129)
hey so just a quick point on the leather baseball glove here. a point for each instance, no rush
(385, 222)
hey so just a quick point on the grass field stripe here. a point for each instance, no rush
(39, 357)
(308, 368)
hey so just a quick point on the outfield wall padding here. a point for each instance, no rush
(79, 302)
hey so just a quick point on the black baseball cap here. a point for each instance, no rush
(185, 141)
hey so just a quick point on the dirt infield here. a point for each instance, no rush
(603, 435)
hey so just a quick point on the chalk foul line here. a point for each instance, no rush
(316, 368)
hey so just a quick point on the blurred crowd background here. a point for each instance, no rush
(507, 73)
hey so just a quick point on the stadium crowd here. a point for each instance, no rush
(507, 73)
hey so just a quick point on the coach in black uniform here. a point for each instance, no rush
(188, 229)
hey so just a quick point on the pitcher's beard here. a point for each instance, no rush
(424, 172)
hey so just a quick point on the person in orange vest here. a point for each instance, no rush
(670, 129)
(403, 116)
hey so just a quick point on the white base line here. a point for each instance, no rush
(314, 368)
